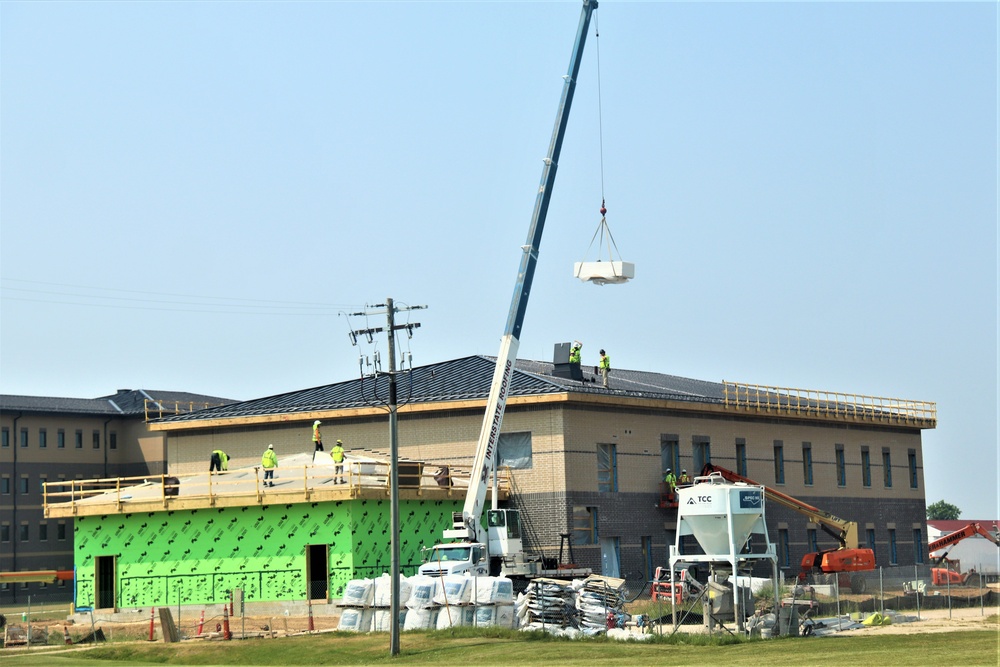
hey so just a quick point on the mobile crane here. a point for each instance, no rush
(944, 576)
(499, 551)
(849, 557)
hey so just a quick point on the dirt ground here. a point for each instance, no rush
(941, 620)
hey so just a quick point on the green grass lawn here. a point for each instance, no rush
(483, 648)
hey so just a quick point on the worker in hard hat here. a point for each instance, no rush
(337, 454)
(684, 480)
(605, 365)
(574, 352)
(671, 479)
(317, 437)
(269, 461)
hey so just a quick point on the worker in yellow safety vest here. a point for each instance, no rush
(684, 479)
(269, 461)
(605, 366)
(317, 436)
(337, 454)
(671, 479)
(574, 352)
(219, 461)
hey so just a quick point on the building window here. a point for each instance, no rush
(43, 438)
(784, 548)
(870, 536)
(702, 449)
(5, 485)
(647, 557)
(911, 461)
(5, 437)
(607, 468)
(893, 560)
(5, 532)
(97, 439)
(43, 532)
(807, 463)
(61, 531)
(584, 525)
(918, 547)
(61, 439)
(24, 485)
(670, 453)
(23, 534)
(886, 468)
(42, 479)
(741, 456)
(79, 439)
(779, 462)
(813, 540)
(513, 450)
(24, 437)
(113, 441)
(866, 467)
(841, 467)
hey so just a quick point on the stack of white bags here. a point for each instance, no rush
(428, 603)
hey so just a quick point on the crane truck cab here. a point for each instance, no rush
(464, 558)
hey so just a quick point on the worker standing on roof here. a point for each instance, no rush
(219, 461)
(574, 352)
(337, 454)
(317, 437)
(605, 366)
(269, 461)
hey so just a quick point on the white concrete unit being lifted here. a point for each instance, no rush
(604, 273)
(727, 520)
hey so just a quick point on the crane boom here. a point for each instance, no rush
(469, 526)
(968, 531)
(850, 557)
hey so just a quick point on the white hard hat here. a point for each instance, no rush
(270, 446)
(317, 423)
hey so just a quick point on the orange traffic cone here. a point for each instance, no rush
(201, 623)
(152, 612)
(66, 636)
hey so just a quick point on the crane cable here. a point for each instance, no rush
(603, 228)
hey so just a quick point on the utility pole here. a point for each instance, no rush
(390, 311)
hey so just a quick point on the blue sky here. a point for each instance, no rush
(192, 193)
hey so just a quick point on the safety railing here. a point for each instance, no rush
(155, 409)
(828, 404)
(295, 484)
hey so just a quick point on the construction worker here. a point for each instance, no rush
(671, 479)
(684, 480)
(269, 462)
(605, 366)
(219, 461)
(317, 437)
(337, 454)
(574, 352)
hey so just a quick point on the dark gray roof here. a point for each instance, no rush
(124, 402)
(458, 379)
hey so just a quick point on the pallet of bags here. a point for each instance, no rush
(598, 597)
(420, 618)
(455, 617)
(453, 589)
(353, 619)
(382, 619)
(493, 590)
(358, 593)
(500, 615)
(551, 603)
(422, 589)
(382, 591)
